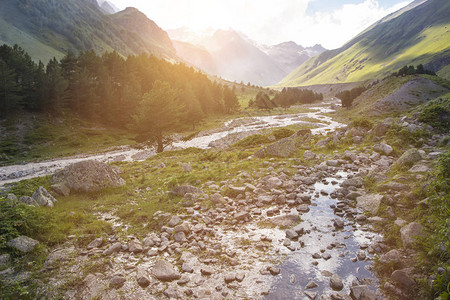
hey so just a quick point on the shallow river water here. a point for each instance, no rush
(15, 173)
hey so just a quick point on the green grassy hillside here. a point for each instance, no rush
(420, 35)
(48, 28)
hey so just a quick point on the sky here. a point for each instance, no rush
(330, 23)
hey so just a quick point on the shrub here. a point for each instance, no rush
(437, 114)
(253, 140)
(282, 133)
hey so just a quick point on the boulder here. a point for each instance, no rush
(408, 159)
(23, 244)
(117, 281)
(184, 189)
(392, 257)
(88, 176)
(141, 277)
(402, 279)
(135, 246)
(383, 148)
(60, 189)
(336, 282)
(97, 243)
(309, 155)
(273, 183)
(43, 197)
(362, 292)
(217, 200)
(353, 182)
(285, 220)
(165, 271)
(28, 200)
(369, 202)
(409, 232)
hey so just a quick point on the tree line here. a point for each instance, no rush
(110, 89)
(286, 98)
(411, 70)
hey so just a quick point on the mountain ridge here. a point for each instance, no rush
(416, 34)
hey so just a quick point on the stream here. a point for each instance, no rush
(15, 173)
(342, 252)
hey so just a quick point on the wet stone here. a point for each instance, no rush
(311, 295)
(336, 282)
(311, 285)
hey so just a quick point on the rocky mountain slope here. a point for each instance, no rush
(48, 29)
(417, 34)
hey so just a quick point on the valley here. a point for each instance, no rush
(144, 163)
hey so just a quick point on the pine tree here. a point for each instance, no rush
(158, 112)
(10, 92)
(230, 101)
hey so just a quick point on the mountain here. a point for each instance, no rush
(142, 28)
(51, 28)
(196, 55)
(416, 34)
(289, 55)
(234, 56)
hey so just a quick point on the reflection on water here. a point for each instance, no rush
(342, 245)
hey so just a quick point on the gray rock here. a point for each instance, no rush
(291, 234)
(274, 270)
(273, 183)
(332, 163)
(383, 148)
(369, 202)
(117, 281)
(408, 159)
(28, 200)
(171, 293)
(23, 244)
(182, 228)
(401, 278)
(311, 285)
(409, 232)
(187, 267)
(240, 216)
(174, 221)
(116, 247)
(362, 292)
(229, 278)
(60, 189)
(336, 282)
(392, 257)
(88, 176)
(184, 189)
(135, 246)
(217, 200)
(310, 295)
(97, 243)
(353, 182)
(165, 271)
(285, 220)
(12, 198)
(309, 155)
(206, 271)
(180, 237)
(141, 277)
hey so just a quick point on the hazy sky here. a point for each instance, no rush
(306, 22)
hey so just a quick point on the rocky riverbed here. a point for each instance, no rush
(291, 228)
